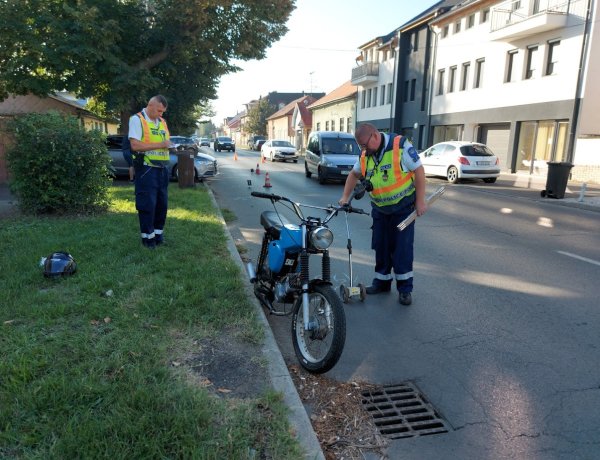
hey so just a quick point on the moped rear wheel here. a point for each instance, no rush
(320, 349)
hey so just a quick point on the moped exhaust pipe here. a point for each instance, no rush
(251, 272)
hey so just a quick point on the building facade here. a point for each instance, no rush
(336, 111)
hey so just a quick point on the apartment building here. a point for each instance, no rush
(520, 76)
(374, 79)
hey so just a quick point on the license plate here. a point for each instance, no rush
(345, 173)
(483, 163)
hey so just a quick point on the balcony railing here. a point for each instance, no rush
(365, 72)
(519, 18)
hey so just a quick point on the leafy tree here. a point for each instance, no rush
(122, 52)
(257, 117)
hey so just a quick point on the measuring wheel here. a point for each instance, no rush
(344, 293)
(363, 292)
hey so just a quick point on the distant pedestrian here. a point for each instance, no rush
(149, 137)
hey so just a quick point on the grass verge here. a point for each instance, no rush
(87, 361)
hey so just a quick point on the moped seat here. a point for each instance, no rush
(272, 222)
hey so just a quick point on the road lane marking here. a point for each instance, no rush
(575, 256)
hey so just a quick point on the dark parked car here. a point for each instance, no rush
(183, 143)
(330, 155)
(224, 143)
(205, 165)
(253, 142)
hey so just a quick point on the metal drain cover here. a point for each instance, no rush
(401, 411)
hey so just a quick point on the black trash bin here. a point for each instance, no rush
(558, 176)
(185, 168)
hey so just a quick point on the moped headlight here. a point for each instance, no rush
(321, 238)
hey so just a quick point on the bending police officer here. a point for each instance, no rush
(149, 138)
(395, 179)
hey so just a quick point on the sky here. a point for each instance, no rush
(318, 52)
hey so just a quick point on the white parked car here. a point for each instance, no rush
(279, 150)
(457, 160)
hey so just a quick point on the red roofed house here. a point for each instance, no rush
(292, 123)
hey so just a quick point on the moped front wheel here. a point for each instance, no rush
(320, 348)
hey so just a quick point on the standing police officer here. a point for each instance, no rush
(149, 137)
(391, 167)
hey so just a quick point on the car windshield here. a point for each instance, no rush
(476, 151)
(282, 144)
(181, 140)
(340, 146)
(224, 139)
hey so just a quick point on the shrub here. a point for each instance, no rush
(56, 166)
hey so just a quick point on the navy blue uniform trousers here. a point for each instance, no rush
(393, 248)
(151, 200)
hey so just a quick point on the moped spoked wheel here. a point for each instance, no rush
(320, 349)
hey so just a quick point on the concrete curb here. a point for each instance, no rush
(278, 371)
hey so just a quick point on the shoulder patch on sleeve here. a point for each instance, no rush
(413, 153)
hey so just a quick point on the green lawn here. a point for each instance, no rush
(86, 368)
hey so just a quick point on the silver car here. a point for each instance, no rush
(205, 165)
(330, 155)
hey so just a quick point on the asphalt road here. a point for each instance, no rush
(502, 337)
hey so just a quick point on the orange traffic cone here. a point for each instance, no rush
(263, 159)
(235, 156)
(257, 171)
(267, 181)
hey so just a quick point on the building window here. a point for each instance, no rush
(375, 96)
(369, 91)
(333, 125)
(445, 31)
(451, 79)
(457, 27)
(484, 16)
(441, 75)
(479, 65)
(319, 126)
(464, 79)
(326, 126)
(471, 21)
(413, 88)
(349, 124)
(414, 41)
(341, 124)
(552, 58)
(510, 63)
(382, 94)
(363, 99)
(389, 93)
(532, 53)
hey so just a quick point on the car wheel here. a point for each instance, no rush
(489, 180)
(307, 173)
(295, 161)
(272, 160)
(175, 173)
(452, 175)
(320, 177)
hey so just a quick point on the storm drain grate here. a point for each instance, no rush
(401, 411)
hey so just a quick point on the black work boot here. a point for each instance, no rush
(378, 286)
(405, 298)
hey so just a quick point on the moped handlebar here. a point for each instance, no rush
(268, 196)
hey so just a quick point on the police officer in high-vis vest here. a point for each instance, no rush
(149, 137)
(394, 176)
